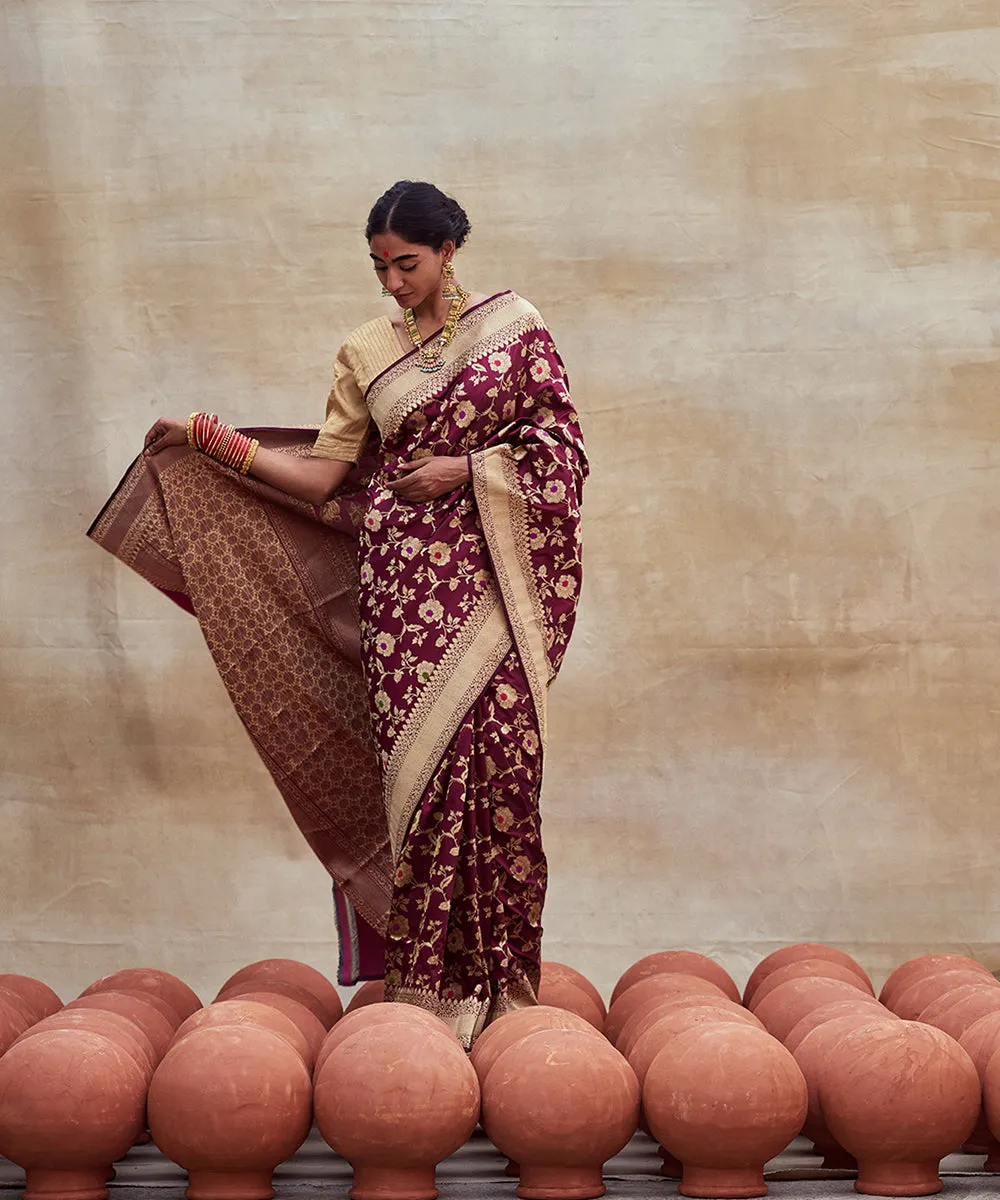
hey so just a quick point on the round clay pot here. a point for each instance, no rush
(167, 987)
(806, 968)
(560, 1103)
(379, 1014)
(25, 1009)
(560, 993)
(395, 1100)
(71, 1102)
(684, 962)
(555, 971)
(108, 1024)
(249, 1012)
(43, 1000)
(12, 1025)
(521, 1023)
(670, 1025)
(925, 964)
(899, 1096)
(279, 987)
(790, 954)
(812, 1054)
(829, 1012)
(372, 992)
(144, 1010)
(956, 1010)
(300, 974)
(306, 1021)
(724, 1099)
(981, 1041)
(652, 1010)
(667, 986)
(229, 1103)
(781, 1011)
(911, 1002)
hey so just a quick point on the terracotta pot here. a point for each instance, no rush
(925, 964)
(667, 986)
(502, 1033)
(806, 968)
(981, 1041)
(670, 1025)
(297, 973)
(167, 987)
(249, 1012)
(790, 954)
(909, 1004)
(229, 1103)
(956, 1010)
(560, 993)
(655, 1036)
(899, 1096)
(395, 1100)
(279, 987)
(653, 1009)
(560, 1103)
(829, 1012)
(782, 1010)
(111, 1025)
(135, 1007)
(556, 971)
(379, 1014)
(307, 1023)
(812, 1054)
(372, 992)
(71, 1102)
(683, 962)
(12, 1025)
(43, 1000)
(724, 1099)
(18, 1004)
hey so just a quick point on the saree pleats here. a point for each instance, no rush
(464, 932)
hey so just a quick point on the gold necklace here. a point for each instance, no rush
(430, 355)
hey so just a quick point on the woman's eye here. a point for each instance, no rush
(413, 268)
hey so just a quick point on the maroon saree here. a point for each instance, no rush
(395, 682)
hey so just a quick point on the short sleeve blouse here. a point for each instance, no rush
(368, 351)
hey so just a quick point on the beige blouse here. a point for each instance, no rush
(368, 351)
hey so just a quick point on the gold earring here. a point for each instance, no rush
(450, 289)
(386, 292)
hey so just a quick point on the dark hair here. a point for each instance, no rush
(419, 213)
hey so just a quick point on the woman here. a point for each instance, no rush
(388, 606)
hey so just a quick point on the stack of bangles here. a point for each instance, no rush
(224, 443)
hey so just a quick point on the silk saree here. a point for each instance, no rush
(390, 660)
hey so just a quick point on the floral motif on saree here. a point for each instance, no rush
(452, 589)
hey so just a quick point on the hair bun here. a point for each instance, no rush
(459, 221)
(420, 213)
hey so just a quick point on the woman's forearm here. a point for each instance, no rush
(311, 479)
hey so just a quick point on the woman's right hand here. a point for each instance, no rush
(164, 432)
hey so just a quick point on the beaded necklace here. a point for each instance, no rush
(430, 355)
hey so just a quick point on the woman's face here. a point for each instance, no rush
(410, 271)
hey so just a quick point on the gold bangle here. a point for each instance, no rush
(190, 431)
(248, 461)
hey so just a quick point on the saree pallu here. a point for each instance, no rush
(391, 660)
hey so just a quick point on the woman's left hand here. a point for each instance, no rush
(428, 478)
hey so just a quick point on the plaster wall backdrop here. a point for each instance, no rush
(765, 236)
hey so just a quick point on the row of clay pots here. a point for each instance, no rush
(887, 1094)
(718, 1091)
(234, 1077)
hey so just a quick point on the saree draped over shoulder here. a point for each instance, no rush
(390, 659)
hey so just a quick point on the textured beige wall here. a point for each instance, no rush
(765, 235)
